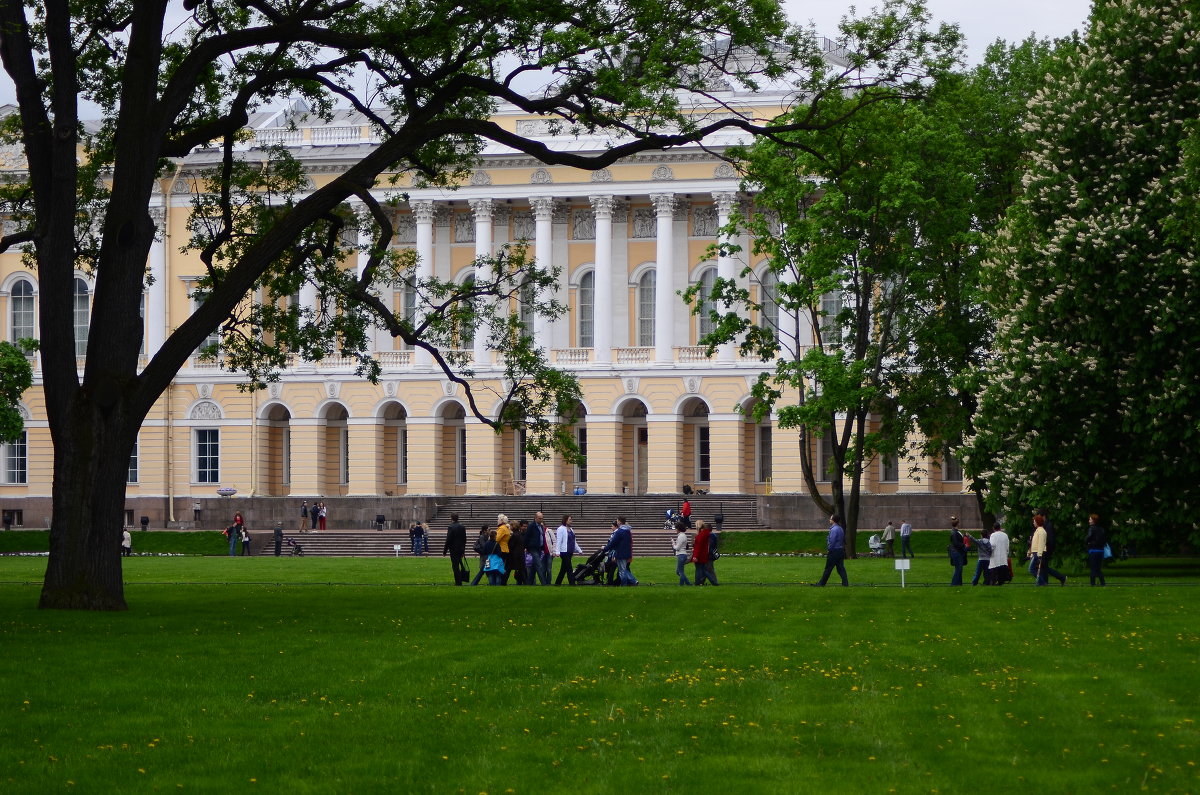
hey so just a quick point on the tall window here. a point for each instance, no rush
(21, 310)
(402, 455)
(466, 334)
(460, 458)
(890, 468)
(769, 286)
(132, 477)
(285, 453)
(520, 460)
(581, 467)
(407, 301)
(708, 280)
(525, 308)
(825, 459)
(585, 311)
(951, 467)
(764, 453)
(831, 329)
(142, 317)
(82, 317)
(343, 454)
(208, 455)
(703, 454)
(645, 313)
(213, 341)
(16, 463)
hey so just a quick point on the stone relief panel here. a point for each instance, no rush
(704, 221)
(406, 228)
(205, 410)
(645, 222)
(523, 226)
(464, 228)
(583, 225)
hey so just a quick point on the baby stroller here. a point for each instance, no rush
(294, 549)
(876, 545)
(672, 520)
(592, 568)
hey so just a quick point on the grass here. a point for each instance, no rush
(324, 675)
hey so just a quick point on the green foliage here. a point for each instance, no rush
(16, 376)
(1089, 404)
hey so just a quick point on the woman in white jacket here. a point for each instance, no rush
(680, 545)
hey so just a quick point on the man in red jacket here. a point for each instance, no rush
(702, 555)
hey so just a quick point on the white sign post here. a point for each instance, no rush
(902, 565)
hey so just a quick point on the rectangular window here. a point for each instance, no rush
(831, 328)
(402, 455)
(344, 455)
(520, 459)
(460, 464)
(825, 461)
(764, 453)
(14, 517)
(645, 298)
(951, 467)
(132, 477)
(285, 451)
(581, 467)
(586, 311)
(16, 463)
(210, 348)
(703, 470)
(890, 468)
(208, 455)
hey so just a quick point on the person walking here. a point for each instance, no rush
(416, 538)
(889, 540)
(535, 548)
(686, 513)
(906, 539)
(303, 513)
(620, 544)
(126, 543)
(999, 570)
(835, 553)
(565, 547)
(702, 555)
(983, 549)
(680, 545)
(1095, 539)
(278, 534)
(480, 545)
(957, 550)
(456, 546)
(1039, 550)
(245, 542)
(1051, 546)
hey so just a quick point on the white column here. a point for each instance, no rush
(602, 296)
(483, 269)
(543, 237)
(365, 240)
(423, 215)
(155, 324)
(664, 281)
(726, 264)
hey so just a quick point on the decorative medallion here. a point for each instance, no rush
(205, 390)
(541, 177)
(663, 174)
(602, 175)
(724, 171)
(481, 178)
(631, 385)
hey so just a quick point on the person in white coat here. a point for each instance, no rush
(566, 547)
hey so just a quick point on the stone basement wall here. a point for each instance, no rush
(924, 511)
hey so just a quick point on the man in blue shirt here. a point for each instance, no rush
(620, 543)
(835, 552)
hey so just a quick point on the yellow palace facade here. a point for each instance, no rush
(657, 411)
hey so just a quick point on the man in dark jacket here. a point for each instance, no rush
(621, 545)
(456, 545)
(535, 545)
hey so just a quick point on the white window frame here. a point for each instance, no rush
(645, 296)
(21, 306)
(14, 457)
(585, 310)
(206, 455)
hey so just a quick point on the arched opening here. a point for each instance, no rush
(335, 450)
(696, 444)
(451, 476)
(635, 448)
(395, 445)
(277, 452)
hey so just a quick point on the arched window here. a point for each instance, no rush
(585, 312)
(21, 310)
(708, 279)
(82, 317)
(769, 285)
(645, 310)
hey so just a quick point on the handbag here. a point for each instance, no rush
(1107, 552)
(494, 563)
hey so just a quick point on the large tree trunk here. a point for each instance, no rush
(91, 462)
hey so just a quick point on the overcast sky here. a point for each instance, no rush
(981, 21)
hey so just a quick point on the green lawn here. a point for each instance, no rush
(322, 675)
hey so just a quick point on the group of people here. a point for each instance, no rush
(237, 533)
(523, 551)
(995, 547)
(315, 515)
